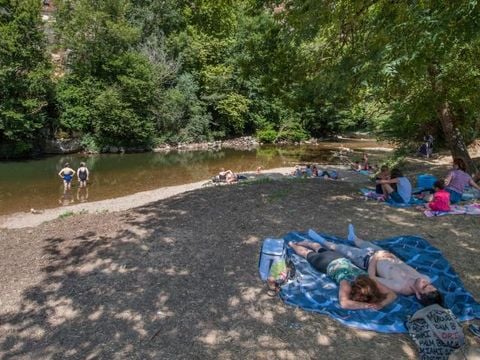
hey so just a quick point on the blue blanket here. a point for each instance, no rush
(370, 194)
(314, 291)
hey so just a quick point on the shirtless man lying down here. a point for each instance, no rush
(385, 267)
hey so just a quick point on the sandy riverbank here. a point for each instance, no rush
(35, 218)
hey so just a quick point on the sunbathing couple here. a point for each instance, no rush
(347, 266)
(228, 176)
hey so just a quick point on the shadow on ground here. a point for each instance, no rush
(177, 279)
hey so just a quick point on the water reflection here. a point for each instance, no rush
(67, 198)
(82, 194)
(35, 183)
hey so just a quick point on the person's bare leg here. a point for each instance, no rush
(388, 188)
(360, 243)
(355, 254)
(309, 244)
(300, 250)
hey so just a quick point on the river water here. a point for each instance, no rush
(35, 183)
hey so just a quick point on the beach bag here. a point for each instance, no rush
(273, 250)
(436, 332)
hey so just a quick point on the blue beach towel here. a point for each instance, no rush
(370, 194)
(413, 202)
(314, 291)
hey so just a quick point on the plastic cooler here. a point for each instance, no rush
(426, 181)
(272, 250)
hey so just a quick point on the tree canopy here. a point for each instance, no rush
(144, 72)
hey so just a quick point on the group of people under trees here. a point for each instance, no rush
(362, 165)
(395, 186)
(368, 276)
(309, 171)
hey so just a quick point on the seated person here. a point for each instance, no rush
(403, 192)
(384, 174)
(222, 175)
(457, 180)
(356, 289)
(314, 171)
(231, 177)
(441, 198)
(365, 164)
(297, 172)
(308, 171)
(385, 268)
(356, 166)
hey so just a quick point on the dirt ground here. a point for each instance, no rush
(177, 278)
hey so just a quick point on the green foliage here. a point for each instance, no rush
(141, 71)
(90, 143)
(25, 86)
(66, 214)
(183, 116)
(267, 136)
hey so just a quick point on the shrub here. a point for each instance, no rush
(266, 136)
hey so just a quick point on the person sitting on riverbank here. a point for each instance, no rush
(384, 174)
(67, 174)
(384, 267)
(329, 175)
(403, 193)
(83, 175)
(356, 290)
(308, 171)
(457, 180)
(365, 164)
(356, 166)
(227, 176)
(441, 198)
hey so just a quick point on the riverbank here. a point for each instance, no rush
(36, 217)
(176, 278)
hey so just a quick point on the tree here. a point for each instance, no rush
(110, 86)
(25, 72)
(415, 62)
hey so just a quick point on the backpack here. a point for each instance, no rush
(436, 332)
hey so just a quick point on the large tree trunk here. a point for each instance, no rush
(454, 137)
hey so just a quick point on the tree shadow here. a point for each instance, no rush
(177, 279)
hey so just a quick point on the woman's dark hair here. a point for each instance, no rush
(395, 173)
(66, 164)
(439, 184)
(460, 163)
(366, 290)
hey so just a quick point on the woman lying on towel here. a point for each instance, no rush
(356, 289)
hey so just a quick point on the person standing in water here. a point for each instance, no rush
(83, 175)
(67, 174)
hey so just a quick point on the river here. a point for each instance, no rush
(35, 183)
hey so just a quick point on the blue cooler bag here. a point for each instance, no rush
(426, 181)
(272, 251)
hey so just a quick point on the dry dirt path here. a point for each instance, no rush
(176, 278)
